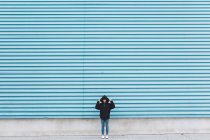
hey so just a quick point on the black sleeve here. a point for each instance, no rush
(112, 105)
(97, 105)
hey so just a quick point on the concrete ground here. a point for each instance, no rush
(117, 137)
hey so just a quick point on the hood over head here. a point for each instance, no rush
(104, 97)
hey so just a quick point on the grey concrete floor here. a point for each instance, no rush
(117, 137)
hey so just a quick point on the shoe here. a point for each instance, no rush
(107, 136)
(102, 136)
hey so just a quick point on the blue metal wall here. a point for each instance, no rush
(57, 57)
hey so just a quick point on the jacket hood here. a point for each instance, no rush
(104, 97)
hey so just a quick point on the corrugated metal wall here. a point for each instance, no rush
(58, 57)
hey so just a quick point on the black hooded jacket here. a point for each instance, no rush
(105, 107)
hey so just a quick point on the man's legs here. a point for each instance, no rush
(102, 126)
(107, 126)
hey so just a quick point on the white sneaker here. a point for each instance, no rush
(107, 136)
(102, 136)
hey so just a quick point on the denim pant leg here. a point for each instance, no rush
(107, 126)
(102, 126)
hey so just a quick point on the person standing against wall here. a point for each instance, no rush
(105, 105)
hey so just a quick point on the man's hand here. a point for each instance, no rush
(110, 100)
(99, 101)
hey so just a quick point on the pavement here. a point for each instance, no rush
(116, 137)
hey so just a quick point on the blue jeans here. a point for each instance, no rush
(103, 123)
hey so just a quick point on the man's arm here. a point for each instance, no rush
(98, 105)
(112, 105)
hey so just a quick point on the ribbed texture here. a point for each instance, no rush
(58, 57)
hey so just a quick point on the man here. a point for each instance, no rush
(105, 105)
